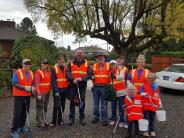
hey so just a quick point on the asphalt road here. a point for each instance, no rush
(172, 102)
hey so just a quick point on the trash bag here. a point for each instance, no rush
(76, 100)
(110, 93)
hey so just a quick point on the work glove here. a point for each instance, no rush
(57, 94)
(28, 88)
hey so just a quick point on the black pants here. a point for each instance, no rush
(73, 93)
(59, 106)
(21, 103)
(136, 126)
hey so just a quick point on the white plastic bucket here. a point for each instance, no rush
(143, 125)
(161, 115)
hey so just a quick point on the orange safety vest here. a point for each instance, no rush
(62, 81)
(134, 108)
(150, 102)
(22, 80)
(138, 82)
(119, 85)
(45, 81)
(101, 76)
(79, 71)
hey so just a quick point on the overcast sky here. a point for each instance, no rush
(15, 9)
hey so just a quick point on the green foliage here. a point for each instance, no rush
(27, 26)
(66, 53)
(170, 54)
(5, 79)
(34, 48)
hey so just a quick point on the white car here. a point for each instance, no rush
(172, 77)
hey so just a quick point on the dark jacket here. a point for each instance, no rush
(83, 83)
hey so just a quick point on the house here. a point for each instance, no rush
(8, 34)
(91, 50)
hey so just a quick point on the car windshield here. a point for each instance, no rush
(175, 68)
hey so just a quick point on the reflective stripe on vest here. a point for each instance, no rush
(44, 84)
(133, 73)
(45, 81)
(150, 102)
(80, 71)
(134, 108)
(41, 73)
(22, 80)
(21, 74)
(101, 76)
(62, 81)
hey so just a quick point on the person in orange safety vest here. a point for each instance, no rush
(60, 88)
(78, 73)
(118, 80)
(42, 83)
(101, 78)
(22, 82)
(151, 102)
(134, 108)
(139, 75)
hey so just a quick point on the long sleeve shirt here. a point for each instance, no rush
(37, 81)
(82, 83)
(54, 80)
(15, 78)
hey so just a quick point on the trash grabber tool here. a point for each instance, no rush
(152, 104)
(44, 115)
(62, 106)
(29, 133)
(132, 62)
(113, 133)
(80, 101)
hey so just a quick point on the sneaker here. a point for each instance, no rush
(104, 123)
(52, 124)
(40, 125)
(152, 134)
(121, 125)
(146, 134)
(82, 122)
(125, 126)
(95, 120)
(71, 122)
(24, 130)
(112, 123)
(15, 134)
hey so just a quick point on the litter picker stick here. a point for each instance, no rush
(29, 134)
(116, 126)
(80, 104)
(151, 100)
(44, 115)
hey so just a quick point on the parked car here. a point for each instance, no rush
(172, 77)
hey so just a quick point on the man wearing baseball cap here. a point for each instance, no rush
(101, 79)
(22, 87)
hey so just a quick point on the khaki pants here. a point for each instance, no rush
(41, 109)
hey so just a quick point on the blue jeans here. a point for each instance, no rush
(98, 95)
(150, 116)
(119, 102)
(73, 93)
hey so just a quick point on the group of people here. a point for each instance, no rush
(137, 94)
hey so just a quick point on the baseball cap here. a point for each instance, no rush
(113, 62)
(101, 53)
(26, 60)
(45, 61)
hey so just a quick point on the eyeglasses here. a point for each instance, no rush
(27, 63)
(45, 63)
